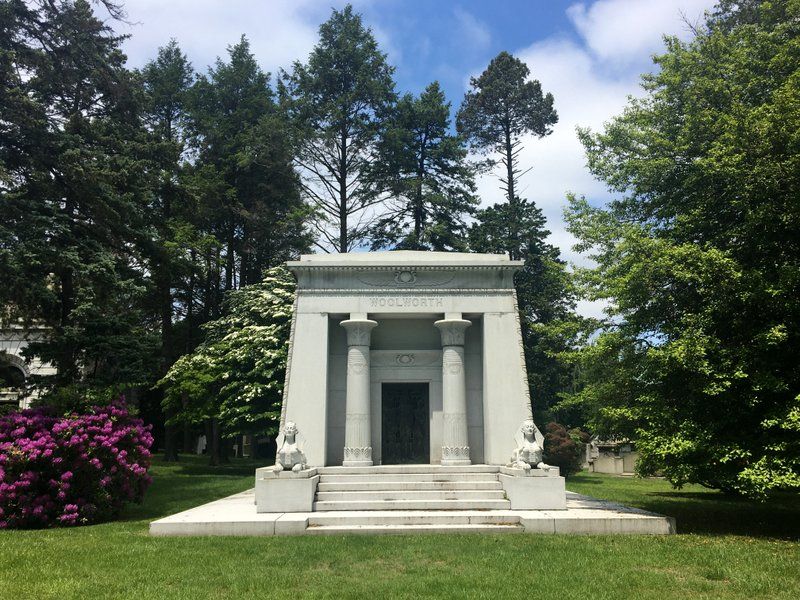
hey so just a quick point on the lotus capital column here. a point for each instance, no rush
(357, 426)
(455, 443)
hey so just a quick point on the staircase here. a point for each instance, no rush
(411, 499)
(410, 487)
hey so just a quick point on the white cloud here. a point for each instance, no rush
(591, 80)
(279, 32)
(630, 30)
(473, 33)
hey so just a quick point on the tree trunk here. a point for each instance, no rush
(231, 257)
(187, 439)
(214, 444)
(419, 208)
(512, 198)
(343, 193)
(190, 306)
(170, 438)
(187, 429)
(66, 362)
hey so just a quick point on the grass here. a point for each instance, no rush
(725, 549)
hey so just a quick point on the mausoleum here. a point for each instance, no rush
(406, 409)
(406, 357)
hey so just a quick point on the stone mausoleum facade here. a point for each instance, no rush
(406, 410)
(406, 358)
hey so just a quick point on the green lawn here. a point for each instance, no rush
(726, 549)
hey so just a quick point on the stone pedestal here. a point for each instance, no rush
(287, 491)
(455, 442)
(357, 427)
(534, 489)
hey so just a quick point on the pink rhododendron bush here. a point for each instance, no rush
(71, 470)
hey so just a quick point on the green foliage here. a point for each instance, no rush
(502, 106)
(426, 170)
(236, 374)
(338, 100)
(700, 259)
(74, 178)
(545, 296)
(248, 190)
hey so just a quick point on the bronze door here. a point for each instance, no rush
(405, 424)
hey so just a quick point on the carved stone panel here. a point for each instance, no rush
(405, 359)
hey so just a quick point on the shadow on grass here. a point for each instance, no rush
(700, 511)
(721, 515)
(188, 483)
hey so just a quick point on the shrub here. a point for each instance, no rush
(563, 449)
(71, 470)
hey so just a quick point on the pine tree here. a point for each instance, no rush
(425, 168)
(243, 176)
(74, 183)
(502, 107)
(338, 100)
(496, 113)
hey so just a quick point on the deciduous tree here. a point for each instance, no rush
(700, 257)
(235, 377)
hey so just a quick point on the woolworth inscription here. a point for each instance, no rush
(415, 301)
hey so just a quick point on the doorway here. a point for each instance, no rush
(405, 424)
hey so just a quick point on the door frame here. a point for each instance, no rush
(392, 366)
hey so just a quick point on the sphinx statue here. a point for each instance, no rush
(289, 454)
(529, 452)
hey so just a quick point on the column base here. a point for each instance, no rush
(455, 455)
(357, 457)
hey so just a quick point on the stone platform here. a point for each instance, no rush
(409, 487)
(236, 516)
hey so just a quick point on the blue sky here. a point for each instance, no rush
(589, 54)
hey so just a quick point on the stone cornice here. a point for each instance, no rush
(298, 266)
(404, 291)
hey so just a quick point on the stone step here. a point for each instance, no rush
(414, 517)
(389, 495)
(400, 477)
(413, 529)
(370, 484)
(397, 469)
(472, 504)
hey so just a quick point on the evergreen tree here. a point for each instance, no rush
(243, 175)
(425, 169)
(338, 100)
(501, 108)
(496, 113)
(75, 179)
(545, 296)
(167, 81)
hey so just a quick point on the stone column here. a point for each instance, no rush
(357, 426)
(455, 444)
